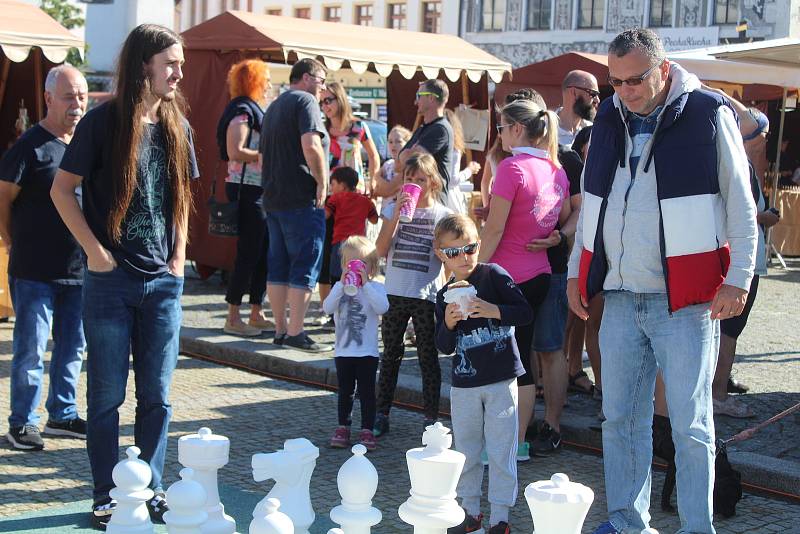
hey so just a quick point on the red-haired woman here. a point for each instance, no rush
(248, 83)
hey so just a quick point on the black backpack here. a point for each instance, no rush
(238, 106)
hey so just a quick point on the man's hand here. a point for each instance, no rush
(101, 262)
(768, 219)
(176, 266)
(535, 245)
(479, 308)
(452, 314)
(728, 302)
(576, 303)
(322, 193)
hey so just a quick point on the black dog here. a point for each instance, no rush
(727, 481)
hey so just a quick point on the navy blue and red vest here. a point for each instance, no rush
(684, 153)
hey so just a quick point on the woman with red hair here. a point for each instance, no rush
(249, 85)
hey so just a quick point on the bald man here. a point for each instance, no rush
(579, 100)
(45, 269)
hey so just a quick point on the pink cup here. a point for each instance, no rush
(352, 278)
(407, 209)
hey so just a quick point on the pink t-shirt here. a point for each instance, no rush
(536, 189)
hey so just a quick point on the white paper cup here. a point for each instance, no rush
(463, 297)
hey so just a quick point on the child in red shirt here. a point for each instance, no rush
(350, 211)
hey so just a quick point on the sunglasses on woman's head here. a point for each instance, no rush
(453, 252)
(328, 100)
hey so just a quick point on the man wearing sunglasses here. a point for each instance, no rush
(667, 232)
(579, 100)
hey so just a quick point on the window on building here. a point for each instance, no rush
(539, 14)
(432, 17)
(333, 13)
(494, 15)
(274, 11)
(590, 13)
(726, 11)
(204, 11)
(660, 13)
(397, 16)
(302, 12)
(364, 15)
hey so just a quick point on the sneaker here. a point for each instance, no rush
(523, 452)
(470, 524)
(241, 329)
(367, 439)
(381, 425)
(101, 513)
(500, 528)
(74, 428)
(484, 457)
(302, 342)
(606, 528)
(734, 386)
(279, 339)
(341, 438)
(547, 440)
(733, 408)
(157, 506)
(25, 438)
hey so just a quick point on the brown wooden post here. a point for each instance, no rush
(465, 101)
(4, 78)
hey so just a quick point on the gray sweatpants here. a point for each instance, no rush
(486, 417)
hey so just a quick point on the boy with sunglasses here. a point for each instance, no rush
(486, 364)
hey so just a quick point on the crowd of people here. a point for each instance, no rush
(631, 226)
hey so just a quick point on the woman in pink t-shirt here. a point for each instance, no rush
(527, 203)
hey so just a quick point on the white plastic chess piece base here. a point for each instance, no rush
(132, 477)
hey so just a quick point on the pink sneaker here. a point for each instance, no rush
(367, 439)
(341, 438)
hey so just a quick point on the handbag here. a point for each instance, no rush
(223, 217)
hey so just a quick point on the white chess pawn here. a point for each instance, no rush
(434, 472)
(206, 453)
(357, 481)
(291, 467)
(187, 500)
(558, 506)
(649, 531)
(270, 520)
(131, 478)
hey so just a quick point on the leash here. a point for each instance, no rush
(747, 434)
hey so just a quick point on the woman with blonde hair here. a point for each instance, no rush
(249, 85)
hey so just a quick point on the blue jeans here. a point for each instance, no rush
(40, 307)
(123, 314)
(638, 337)
(295, 247)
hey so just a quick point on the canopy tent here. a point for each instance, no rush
(31, 42)
(404, 58)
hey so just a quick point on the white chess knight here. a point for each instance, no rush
(206, 453)
(291, 468)
(357, 481)
(558, 506)
(434, 472)
(270, 520)
(187, 500)
(131, 478)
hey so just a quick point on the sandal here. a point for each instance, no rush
(577, 388)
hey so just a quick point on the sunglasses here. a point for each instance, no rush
(590, 92)
(636, 80)
(320, 79)
(426, 93)
(453, 252)
(328, 100)
(501, 126)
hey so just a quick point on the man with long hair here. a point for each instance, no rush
(133, 158)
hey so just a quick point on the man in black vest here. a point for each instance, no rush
(667, 233)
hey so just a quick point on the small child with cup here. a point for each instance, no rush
(476, 312)
(356, 301)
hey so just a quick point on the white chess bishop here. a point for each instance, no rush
(187, 500)
(434, 472)
(558, 506)
(291, 468)
(131, 478)
(269, 520)
(206, 453)
(357, 481)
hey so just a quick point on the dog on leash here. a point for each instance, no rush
(727, 481)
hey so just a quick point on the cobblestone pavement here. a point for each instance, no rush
(258, 413)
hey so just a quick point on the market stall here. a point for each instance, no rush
(404, 58)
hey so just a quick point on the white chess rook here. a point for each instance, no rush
(206, 453)
(357, 481)
(131, 478)
(434, 472)
(291, 468)
(187, 500)
(558, 506)
(270, 520)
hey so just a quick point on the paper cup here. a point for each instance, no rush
(352, 278)
(461, 296)
(407, 209)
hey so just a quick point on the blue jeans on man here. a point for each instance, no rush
(42, 307)
(638, 337)
(126, 314)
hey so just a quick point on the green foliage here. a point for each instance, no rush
(70, 17)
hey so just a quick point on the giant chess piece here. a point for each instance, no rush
(187, 500)
(270, 520)
(357, 481)
(649, 531)
(336, 531)
(434, 472)
(132, 477)
(291, 467)
(558, 506)
(206, 453)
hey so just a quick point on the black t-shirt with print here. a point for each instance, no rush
(148, 230)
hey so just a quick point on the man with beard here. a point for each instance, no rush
(579, 101)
